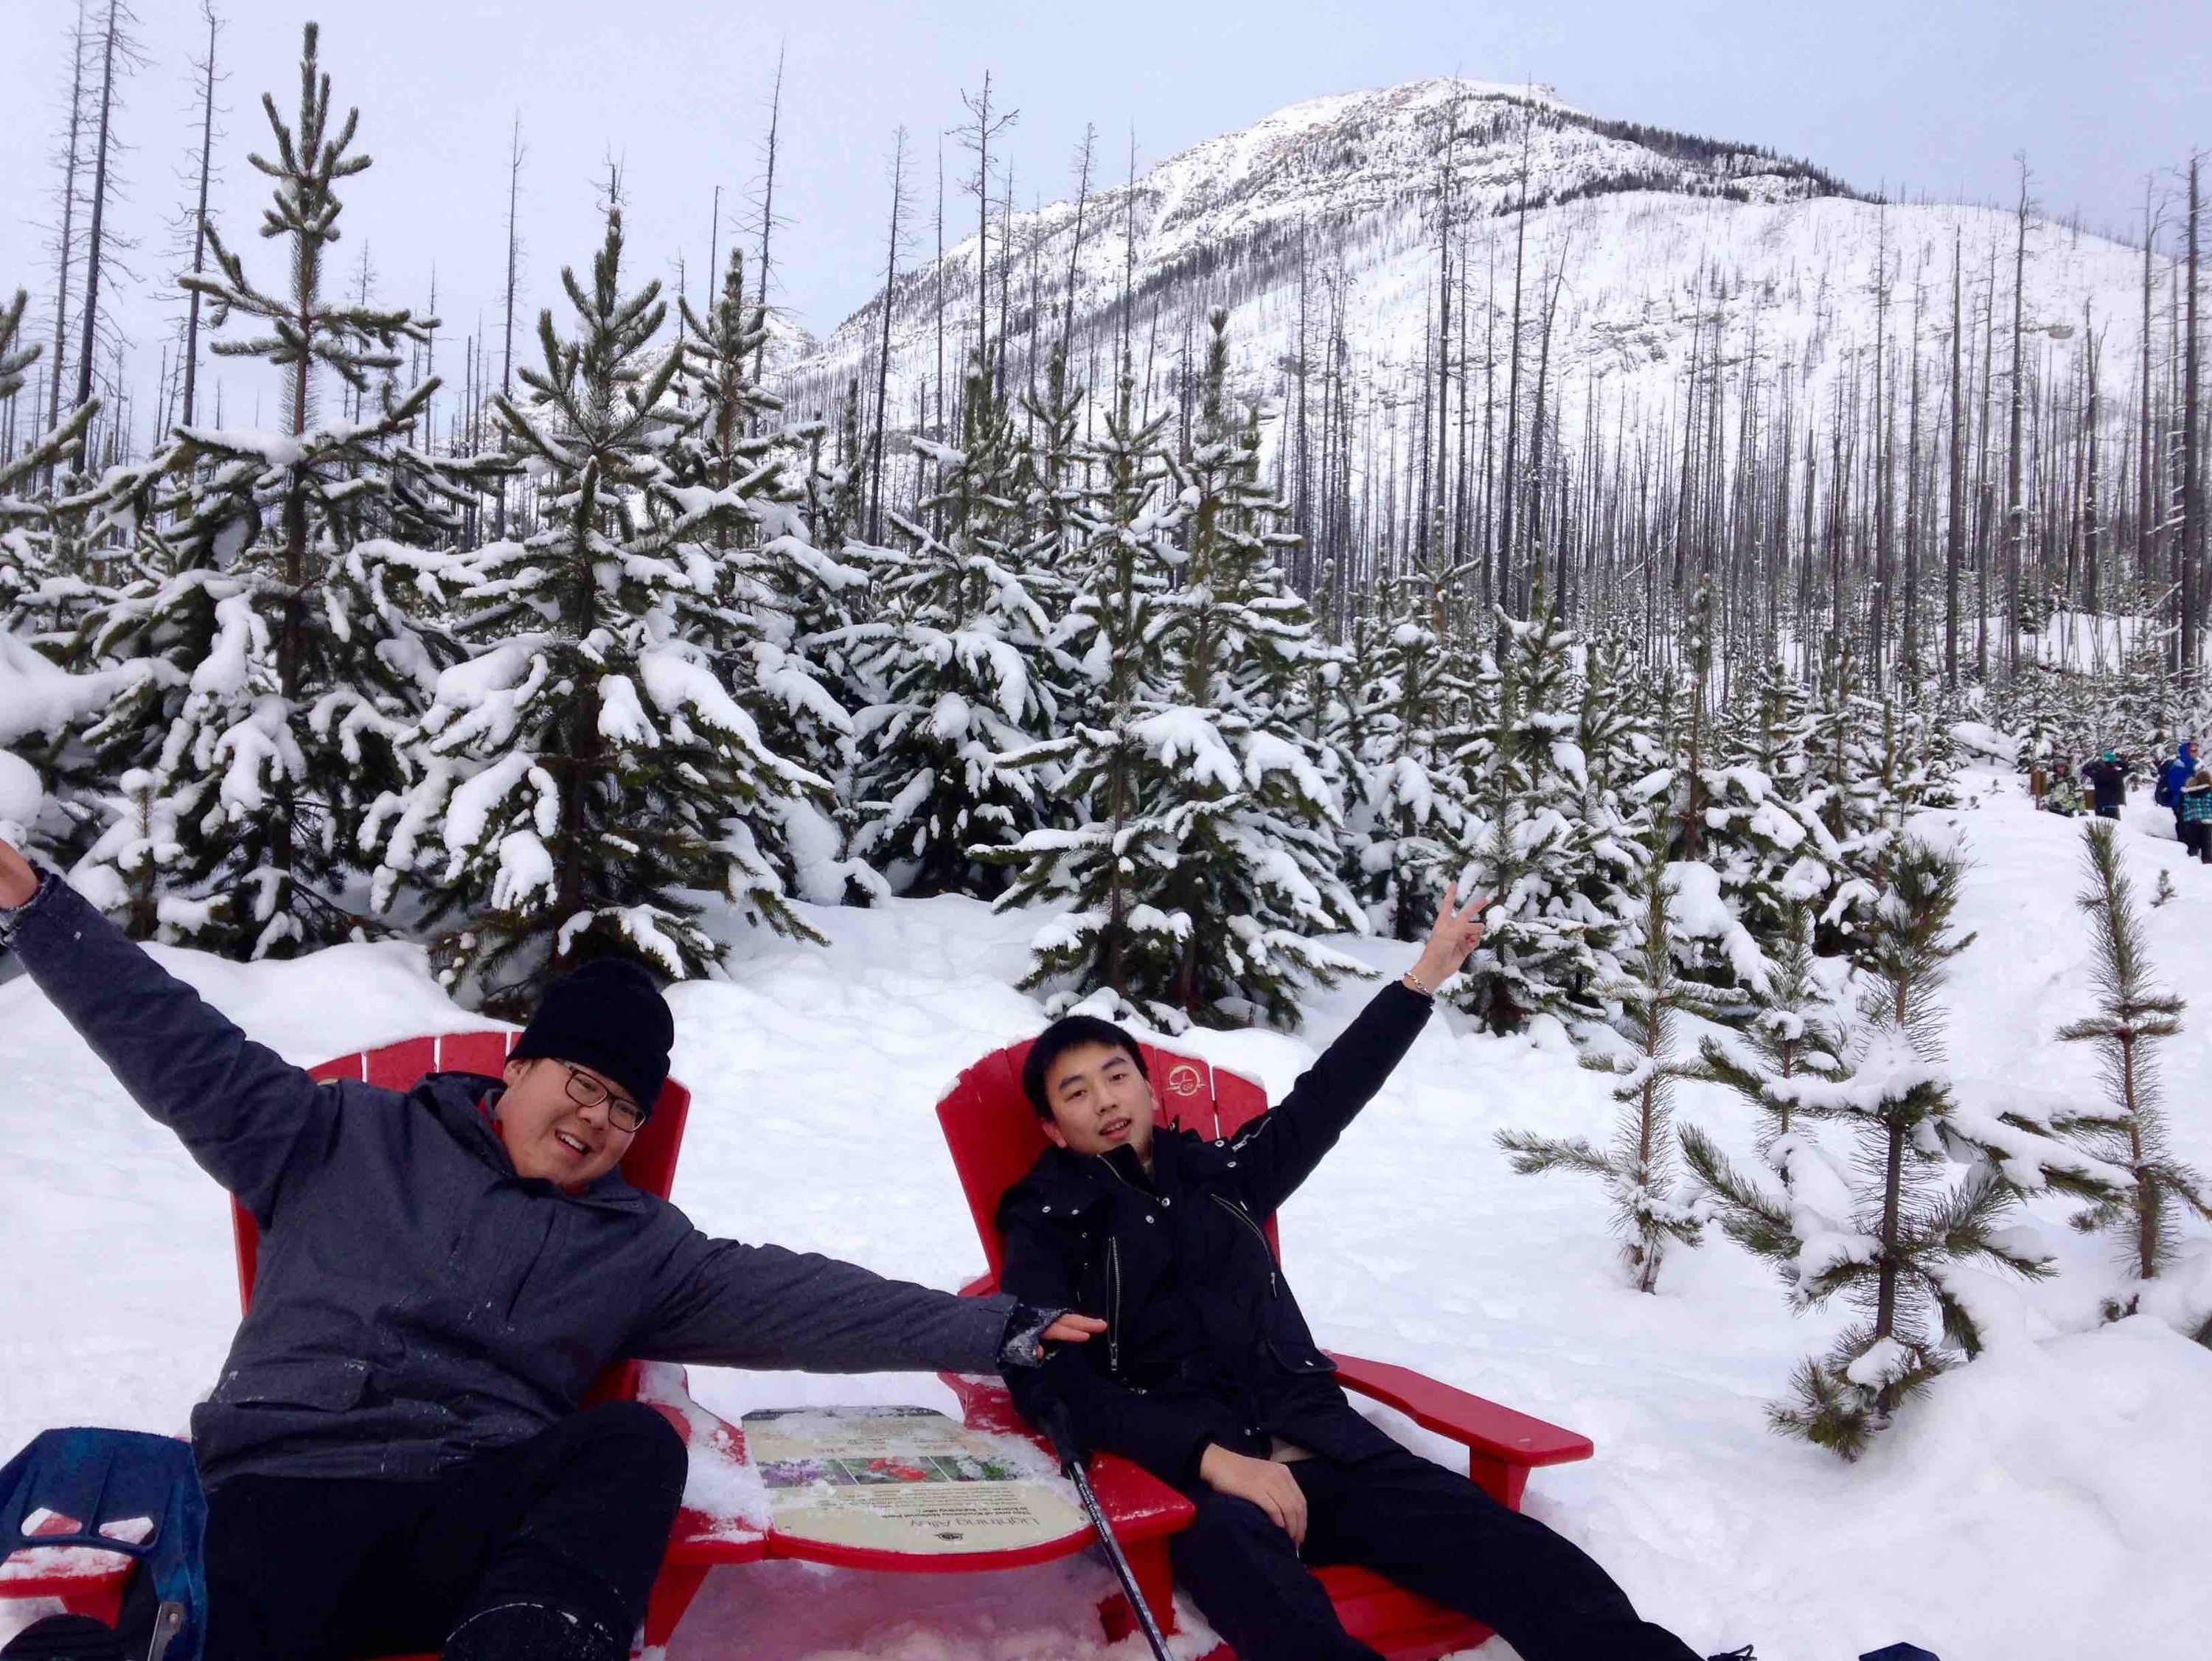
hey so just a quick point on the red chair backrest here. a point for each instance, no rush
(995, 1135)
(649, 1165)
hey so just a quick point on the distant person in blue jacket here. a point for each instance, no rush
(2107, 779)
(2171, 778)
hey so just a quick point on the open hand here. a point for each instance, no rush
(1073, 1328)
(1456, 934)
(18, 881)
(1265, 1483)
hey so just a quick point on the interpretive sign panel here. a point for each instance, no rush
(905, 1479)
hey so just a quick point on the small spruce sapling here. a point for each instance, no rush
(1911, 1226)
(1639, 1170)
(2134, 1016)
(1794, 1033)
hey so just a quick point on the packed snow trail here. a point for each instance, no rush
(2074, 1447)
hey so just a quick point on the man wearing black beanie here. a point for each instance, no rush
(394, 1456)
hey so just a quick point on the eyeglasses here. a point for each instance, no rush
(587, 1091)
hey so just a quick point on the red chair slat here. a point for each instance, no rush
(469, 1053)
(1182, 1088)
(397, 1066)
(1236, 1101)
(995, 1138)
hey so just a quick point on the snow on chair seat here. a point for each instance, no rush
(994, 1136)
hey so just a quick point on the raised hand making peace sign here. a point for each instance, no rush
(1457, 933)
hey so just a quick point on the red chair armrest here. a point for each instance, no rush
(1503, 1445)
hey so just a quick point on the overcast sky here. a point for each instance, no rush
(1919, 97)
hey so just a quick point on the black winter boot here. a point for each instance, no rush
(532, 1632)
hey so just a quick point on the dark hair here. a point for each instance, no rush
(1070, 1033)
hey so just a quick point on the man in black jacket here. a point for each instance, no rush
(394, 1455)
(1206, 1374)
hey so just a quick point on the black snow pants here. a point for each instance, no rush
(1424, 1527)
(575, 1520)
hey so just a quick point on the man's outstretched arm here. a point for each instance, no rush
(724, 1303)
(1279, 1150)
(240, 1108)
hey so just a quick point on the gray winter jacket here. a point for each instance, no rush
(417, 1301)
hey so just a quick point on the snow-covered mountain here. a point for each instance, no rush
(1333, 207)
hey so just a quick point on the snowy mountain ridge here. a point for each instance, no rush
(1328, 212)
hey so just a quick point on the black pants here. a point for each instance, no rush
(575, 1519)
(2197, 837)
(2108, 810)
(1424, 1527)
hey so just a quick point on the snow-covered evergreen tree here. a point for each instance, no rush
(27, 514)
(1842, 770)
(960, 648)
(585, 773)
(1933, 1186)
(770, 581)
(1205, 861)
(1794, 1031)
(1639, 1170)
(1110, 936)
(1407, 793)
(1526, 840)
(283, 576)
(1797, 1031)
(2134, 1016)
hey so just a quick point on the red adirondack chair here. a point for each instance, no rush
(994, 1138)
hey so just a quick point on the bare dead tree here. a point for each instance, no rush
(768, 221)
(65, 238)
(208, 78)
(118, 49)
(2015, 541)
(883, 343)
(983, 124)
(2190, 542)
(515, 153)
(1954, 530)
(1085, 155)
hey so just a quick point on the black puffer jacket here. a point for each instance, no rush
(1206, 1343)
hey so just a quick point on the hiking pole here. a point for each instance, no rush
(1061, 1430)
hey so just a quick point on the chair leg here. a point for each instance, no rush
(101, 1599)
(671, 1596)
(1148, 1561)
(1501, 1481)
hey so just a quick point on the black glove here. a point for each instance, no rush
(1023, 1343)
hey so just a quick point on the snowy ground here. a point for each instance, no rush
(2049, 1501)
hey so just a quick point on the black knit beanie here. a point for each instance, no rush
(608, 1016)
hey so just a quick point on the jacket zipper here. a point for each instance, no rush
(1113, 1325)
(1243, 1216)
